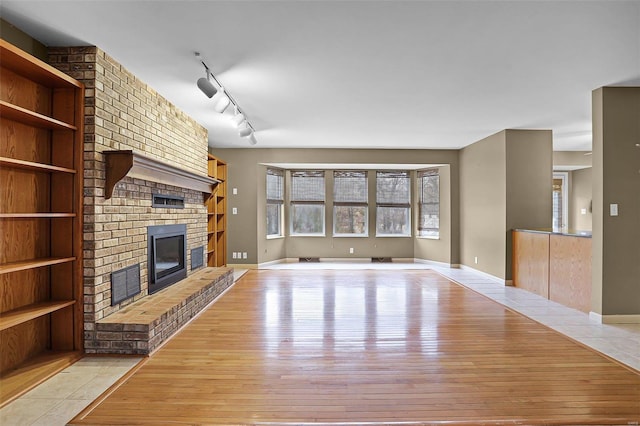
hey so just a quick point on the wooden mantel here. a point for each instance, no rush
(129, 163)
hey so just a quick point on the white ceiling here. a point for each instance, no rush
(364, 74)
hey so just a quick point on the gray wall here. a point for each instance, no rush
(505, 183)
(483, 205)
(22, 40)
(529, 166)
(616, 179)
(565, 160)
(247, 229)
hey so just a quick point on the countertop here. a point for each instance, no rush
(567, 232)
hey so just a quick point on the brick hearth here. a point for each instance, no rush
(142, 326)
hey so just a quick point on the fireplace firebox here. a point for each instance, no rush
(167, 255)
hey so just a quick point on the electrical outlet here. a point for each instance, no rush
(244, 254)
(235, 191)
(351, 250)
(475, 259)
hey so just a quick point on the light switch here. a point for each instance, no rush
(234, 210)
(583, 211)
(613, 209)
(235, 191)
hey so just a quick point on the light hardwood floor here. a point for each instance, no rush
(368, 346)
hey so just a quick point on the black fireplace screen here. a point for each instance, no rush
(167, 255)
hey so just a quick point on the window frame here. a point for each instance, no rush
(388, 204)
(293, 202)
(422, 174)
(359, 174)
(278, 201)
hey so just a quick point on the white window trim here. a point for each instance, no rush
(427, 237)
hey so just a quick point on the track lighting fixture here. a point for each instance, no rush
(206, 86)
(245, 131)
(222, 100)
(238, 118)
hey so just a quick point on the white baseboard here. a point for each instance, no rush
(243, 265)
(614, 319)
(346, 259)
(402, 260)
(435, 263)
(272, 262)
(489, 276)
(355, 260)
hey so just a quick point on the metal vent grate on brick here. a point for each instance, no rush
(167, 201)
(125, 283)
(197, 257)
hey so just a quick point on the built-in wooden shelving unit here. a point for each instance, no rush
(41, 150)
(216, 216)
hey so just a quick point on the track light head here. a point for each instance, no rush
(238, 119)
(221, 101)
(252, 139)
(207, 87)
(245, 131)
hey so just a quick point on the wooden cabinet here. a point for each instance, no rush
(555, 266)
(41, 144)
(216, 216)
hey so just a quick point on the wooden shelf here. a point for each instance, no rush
(29, 165)
(34, 372)
(14, 112)
(216, 223)
(18, 316)
(129, 163)
(22, 63)
(35, 215)
(41, 181)
(35, 263)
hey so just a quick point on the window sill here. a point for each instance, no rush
(426, 237)
(349, 236)
(392, 236)
(308, 235)
(274, 237)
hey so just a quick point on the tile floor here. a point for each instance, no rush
(60, 398)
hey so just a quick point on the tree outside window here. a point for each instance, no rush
(275, 202)
(393, 203)
(307, 203)
(429, 203)
(350, 207)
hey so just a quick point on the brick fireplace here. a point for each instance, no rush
(123, 113)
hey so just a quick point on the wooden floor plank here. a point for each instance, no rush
(295, 347)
